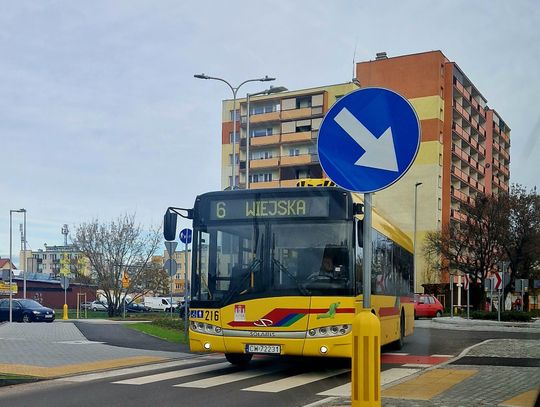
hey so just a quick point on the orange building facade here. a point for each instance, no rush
(465, 146)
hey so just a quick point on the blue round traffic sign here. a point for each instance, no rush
(185, 236)
(368, 139)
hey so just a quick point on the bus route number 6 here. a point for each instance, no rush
(221, 210)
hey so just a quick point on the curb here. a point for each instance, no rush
(478, 323)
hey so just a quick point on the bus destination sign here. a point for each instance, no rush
(305, 207)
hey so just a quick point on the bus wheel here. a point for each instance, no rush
(399, 343)
(238, 359)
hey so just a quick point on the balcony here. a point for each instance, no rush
(296, 137)
(264, 163)
(300, 113)
(263, 118)
(456, 193)
(265, 140)
(457, 215)
(286, 183)
(262, 185)
(302, 159)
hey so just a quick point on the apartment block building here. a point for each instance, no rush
(465, 145)
(283, 129)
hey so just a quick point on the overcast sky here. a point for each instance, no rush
(100, 114)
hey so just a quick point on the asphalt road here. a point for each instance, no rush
(226, 385)
(119, 335)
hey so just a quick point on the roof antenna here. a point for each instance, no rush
(354, 79)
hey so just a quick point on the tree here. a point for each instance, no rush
(117, 247)
(472, 246)
(521, 242)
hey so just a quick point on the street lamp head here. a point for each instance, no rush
(276, 89)
(201, 76)
(417, 184)
(267, 79)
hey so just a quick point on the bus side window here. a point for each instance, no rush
(358, 257)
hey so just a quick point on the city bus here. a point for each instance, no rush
(257, 282)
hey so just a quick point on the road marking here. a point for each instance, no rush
(77, 369)
(387, 376)
(294, 381)
(419, 365)
(522, 400)
(402, 359)
(395, 354)
(442, 356)
(227, 378)
(173, 375)
(122, 372)
(428, 385)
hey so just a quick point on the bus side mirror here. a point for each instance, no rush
(169, 225)
(360, 233)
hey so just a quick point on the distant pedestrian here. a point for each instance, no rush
(517, 304)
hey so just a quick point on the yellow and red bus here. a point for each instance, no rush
(256, 281)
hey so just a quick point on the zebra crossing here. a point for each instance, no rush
(264, 375)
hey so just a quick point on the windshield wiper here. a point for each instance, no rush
(253, 267)
(284, 269)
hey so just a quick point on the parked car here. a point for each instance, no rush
(25, 311)
(135, 307)
(86, 305)
(158, 303)
(426, 305)
(98, 306)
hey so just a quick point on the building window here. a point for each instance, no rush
(231, 159)
(293, 152)
(261, 132)
(264, 108)
(265, 177)
(231, 112)
(235, 138)
(237, 179)
(303, 102)
(261, 155)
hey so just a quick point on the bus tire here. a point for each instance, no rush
(398, 345)
(238, 359)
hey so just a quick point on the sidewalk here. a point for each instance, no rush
(496, 372)
(58, 349)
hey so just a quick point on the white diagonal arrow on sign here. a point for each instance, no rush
(379, 152)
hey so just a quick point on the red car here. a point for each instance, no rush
(426, 305)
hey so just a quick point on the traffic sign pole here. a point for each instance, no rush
(367, 141)
(367, 245)
(186, 290)
(468, 297)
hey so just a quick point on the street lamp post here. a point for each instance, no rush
(11, 211)
(269, 91)
(234, 92)
(414, 231)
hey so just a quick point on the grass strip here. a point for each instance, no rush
(174, 335)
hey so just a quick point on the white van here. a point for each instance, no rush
(158, 303)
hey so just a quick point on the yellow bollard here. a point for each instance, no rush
(65, 316)
(366, 359)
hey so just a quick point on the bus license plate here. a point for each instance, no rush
(273, 349)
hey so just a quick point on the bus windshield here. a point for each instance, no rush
(258, 259)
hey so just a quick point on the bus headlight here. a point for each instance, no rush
(329, 331)
(204, 328)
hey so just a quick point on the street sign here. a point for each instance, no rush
(185, 236)
(466, 281)
(171, 267)
(171, 247)
(5, 288)
(125, 280)
(522, 284)
(64, 282)
(368, 139)
(498, 281)
(488, 284)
